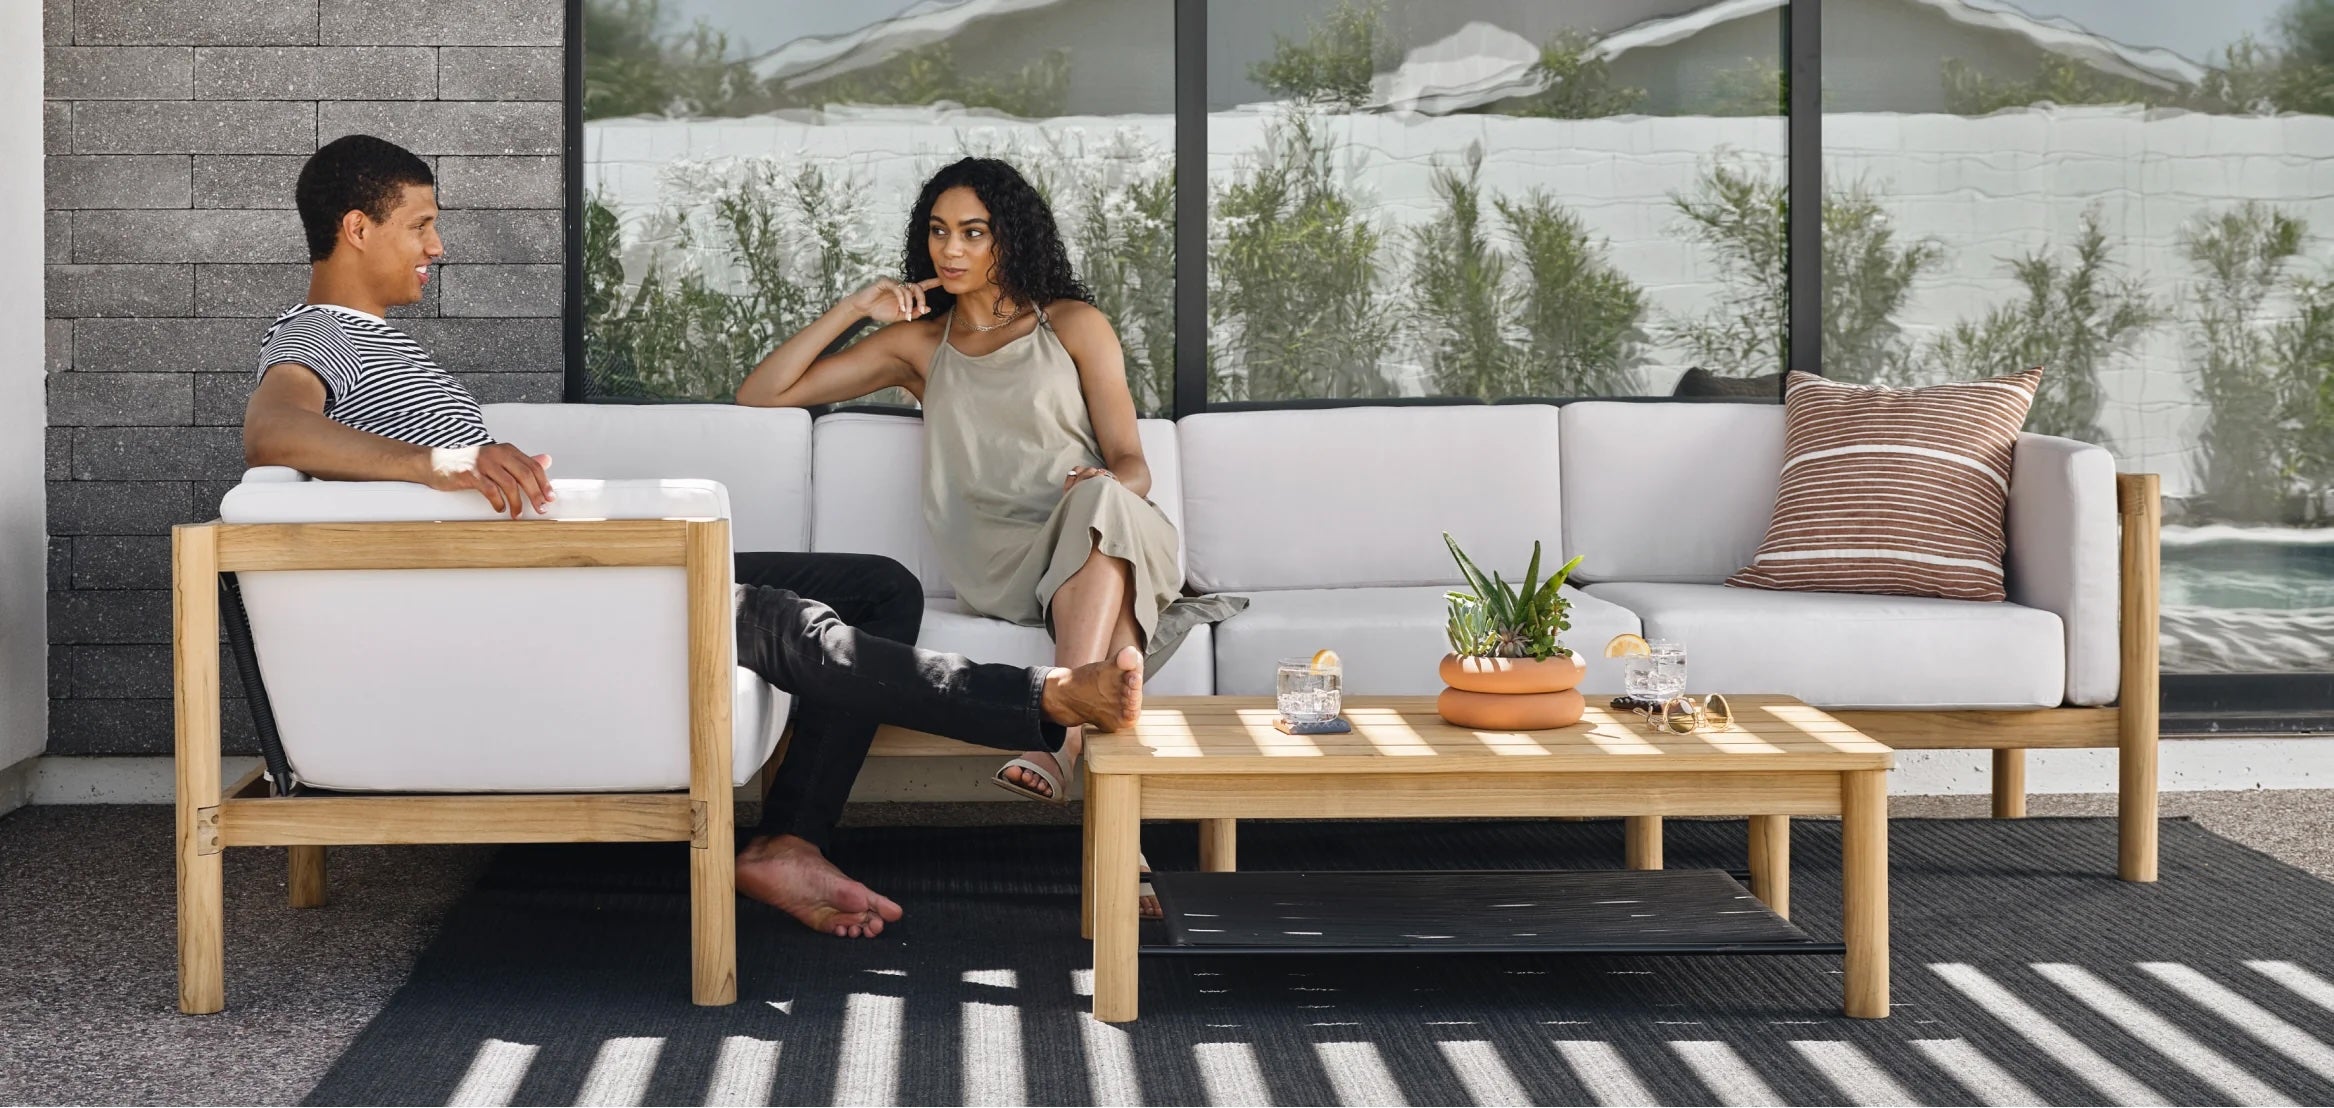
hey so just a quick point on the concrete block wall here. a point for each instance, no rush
(173, 135)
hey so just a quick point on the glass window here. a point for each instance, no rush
(2136, 196)
(1493, 198)
(749, 162)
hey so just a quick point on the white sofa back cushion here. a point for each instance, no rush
(761, 455)
(1360, 497)
(870, 495)
(485, 680)
(1678, 493)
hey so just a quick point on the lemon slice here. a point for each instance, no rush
(1623, 645)
(1325, 660)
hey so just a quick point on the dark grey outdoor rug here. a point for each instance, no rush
(2023, 973)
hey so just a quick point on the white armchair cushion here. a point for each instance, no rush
(1668, 492)
(951, 629)
(761, 455)
(2066, 555)
(1851, 650)
(1360, 497)
(474, 680)
(870, 489)
(1390, 639)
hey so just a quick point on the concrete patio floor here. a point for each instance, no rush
(89, 1015)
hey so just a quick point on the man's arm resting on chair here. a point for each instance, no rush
(285, 425)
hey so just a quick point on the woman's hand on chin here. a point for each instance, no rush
(1081, 473)
(890, 301)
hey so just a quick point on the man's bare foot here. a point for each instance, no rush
(793, 876)
(1105, 695)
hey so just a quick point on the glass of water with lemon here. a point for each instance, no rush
(1309, 690)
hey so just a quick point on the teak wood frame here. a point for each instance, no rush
(2129, 726)
(211, 819)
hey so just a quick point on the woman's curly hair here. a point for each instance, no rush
(1031, 266)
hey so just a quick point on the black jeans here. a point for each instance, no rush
(836, 630)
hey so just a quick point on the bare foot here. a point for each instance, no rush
(793, 876)
(1105, 695)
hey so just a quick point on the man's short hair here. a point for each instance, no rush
(353, 173)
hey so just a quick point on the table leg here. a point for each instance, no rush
(1086, 867)
(1219, 845)
(1770, 862)
(1114, 811)
(1642, 838)
(1864, 881)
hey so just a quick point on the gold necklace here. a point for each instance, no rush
(1000, 323)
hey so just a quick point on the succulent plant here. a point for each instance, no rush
(1499, 620)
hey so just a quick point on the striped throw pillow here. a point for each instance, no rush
(1895, 491)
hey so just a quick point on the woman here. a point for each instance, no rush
(1034, 479)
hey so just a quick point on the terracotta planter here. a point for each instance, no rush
(1513, 675)
(1510, 711)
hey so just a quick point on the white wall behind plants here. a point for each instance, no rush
(1988, 188)
(24, 651)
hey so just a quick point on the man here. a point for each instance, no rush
(343, 395)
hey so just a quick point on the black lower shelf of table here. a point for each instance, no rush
(1471, 912)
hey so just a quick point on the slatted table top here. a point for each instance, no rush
(1402, 734)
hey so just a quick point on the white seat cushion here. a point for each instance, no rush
(1390, 639)
(949, 628)
(1360, 497)
(761, 455)
(473, 680)
(870, 490)
(1848, 650)
(1668, 492)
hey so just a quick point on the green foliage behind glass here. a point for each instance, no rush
(1341, 51)
(1741, 216)
(2076, 315)
(1551, 318)
(1294, 292)
(2264, 383)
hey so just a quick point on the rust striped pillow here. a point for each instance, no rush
(1895, 491)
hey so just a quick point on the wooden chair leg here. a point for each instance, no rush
(2138, 499)
(307, 877)
(2009, 784)
(202, 975)
(713, 844)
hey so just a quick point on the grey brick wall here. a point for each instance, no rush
(174, 133)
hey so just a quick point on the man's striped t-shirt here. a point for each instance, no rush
(375, 378)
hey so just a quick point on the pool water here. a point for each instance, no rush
(2242, 573)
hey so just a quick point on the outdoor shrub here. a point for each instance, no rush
(1563, 322)
(2076, 315)
(2262, 383)
(1342, 50)
(1294, 302)
(1742, 216)
(1575, 82)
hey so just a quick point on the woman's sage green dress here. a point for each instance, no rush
(1001, 432)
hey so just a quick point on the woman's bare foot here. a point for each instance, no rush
(793, 876)
(1105, 695)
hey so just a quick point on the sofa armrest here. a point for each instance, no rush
(2063, 554)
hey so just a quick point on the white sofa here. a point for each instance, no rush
(1330, 522)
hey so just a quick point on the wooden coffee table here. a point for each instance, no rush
(1219, 759)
